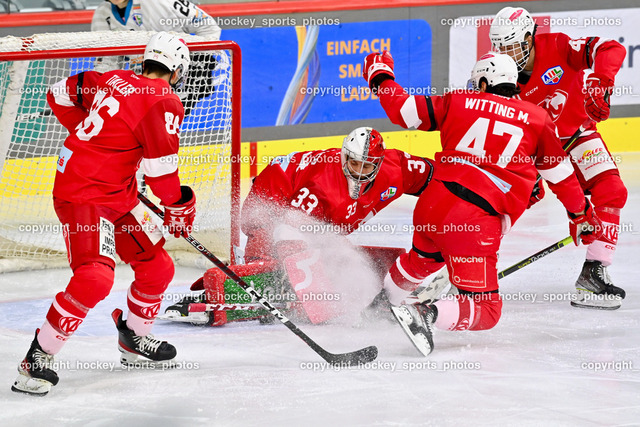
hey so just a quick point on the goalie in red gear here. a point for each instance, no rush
(117, 121)
(573, 80)
(493, 147)
(343, 187)
(340, 187)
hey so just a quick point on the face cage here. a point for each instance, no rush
(181, 78)
(359, 177)
(518, 51)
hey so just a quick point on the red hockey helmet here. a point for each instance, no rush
(362, 155)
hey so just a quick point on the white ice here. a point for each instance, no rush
(545, 363)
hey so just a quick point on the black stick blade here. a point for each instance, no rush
(358, 357)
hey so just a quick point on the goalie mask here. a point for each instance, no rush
(496, 69)
(170, 51)
(508, 32)
(362, 155)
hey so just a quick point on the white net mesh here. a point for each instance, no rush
(30, 136)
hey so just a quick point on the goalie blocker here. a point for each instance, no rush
(298, 284)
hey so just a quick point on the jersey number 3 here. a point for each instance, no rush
(305, 200)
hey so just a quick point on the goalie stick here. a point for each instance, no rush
(357, 357)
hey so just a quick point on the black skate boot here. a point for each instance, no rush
(141, 351)
(417, 322)
(179, 312)
(36, 376)
(595, 290)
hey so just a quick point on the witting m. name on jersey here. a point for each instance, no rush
(498, 108)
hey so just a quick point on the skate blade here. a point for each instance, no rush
(586, 299)
(32, 386)
(419, 339)
(198, 318)
(130, 360)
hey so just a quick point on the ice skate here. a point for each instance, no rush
(594, 288)
(36, 376)
(417, 321)
(141, 351)
(179, 312)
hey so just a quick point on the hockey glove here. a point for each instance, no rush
(378, 67)
(537, 193)
(178, 218)
(597, 90)
(585, 227)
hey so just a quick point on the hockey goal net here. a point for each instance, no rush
(30, 137)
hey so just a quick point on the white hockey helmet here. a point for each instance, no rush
(508, 31)
(496, 68)
(365, 146)
(170, 51)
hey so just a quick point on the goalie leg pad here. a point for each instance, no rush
(264, 276)
(312, 286)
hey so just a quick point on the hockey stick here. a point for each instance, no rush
(546, 251)
(199, 307)
(363, 355)
(576, 135)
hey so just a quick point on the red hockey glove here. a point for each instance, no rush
(597, 90)
(378, 67)
(537, 193)
(585, 227)
(178, 218)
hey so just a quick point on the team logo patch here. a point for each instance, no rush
(150, 312)
(391, 191)
(553, 75)
(137, 18)
(68, 325)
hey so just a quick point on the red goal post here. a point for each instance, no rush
(30, 138)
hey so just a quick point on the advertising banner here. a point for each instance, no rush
(313, 73)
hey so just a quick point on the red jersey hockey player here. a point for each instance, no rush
(314, 182)
(492, 148)
(117, 121)
(573, 79)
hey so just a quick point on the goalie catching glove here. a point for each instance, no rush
(585, 227)
(179, 217)
(378, 67)
(597, 90)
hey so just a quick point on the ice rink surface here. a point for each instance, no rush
(545, 363)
